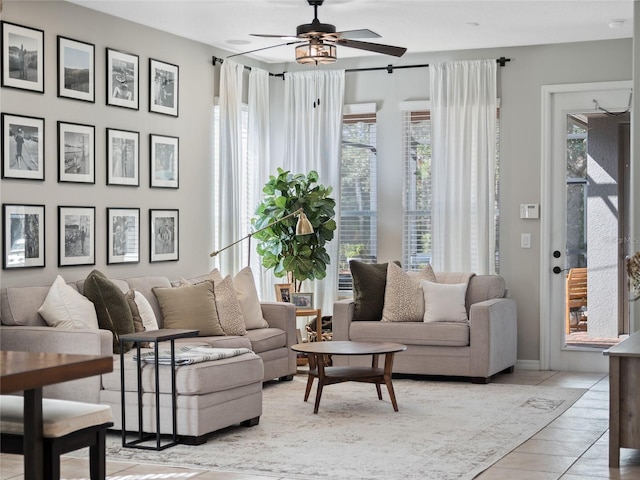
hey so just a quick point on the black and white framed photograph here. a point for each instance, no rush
(123, 79)
(163, 87)
(163, 235)
(23, 236)
(123, 157)
(76, 236)
(22, 147)
(123, 235)
(164, 154)
(76, 69)
(22, 57)
(76, 153)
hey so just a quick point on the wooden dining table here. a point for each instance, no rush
(29, 372)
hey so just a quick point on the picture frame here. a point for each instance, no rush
(22, 147)
(23, 235)
(76, 153)
(163, 235)
(164, 161)
(123, 235)
(76, 69)
(123, 79)
(302, 300)
(123, 157)
(283, 292)
(76, 236)
(22, 57)
(163, 87)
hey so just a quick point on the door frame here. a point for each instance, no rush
(546, 196)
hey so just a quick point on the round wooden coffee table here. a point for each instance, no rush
(319, 353)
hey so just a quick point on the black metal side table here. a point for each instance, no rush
(154, 336)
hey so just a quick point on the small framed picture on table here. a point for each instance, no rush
(302, 300)
(283, 292)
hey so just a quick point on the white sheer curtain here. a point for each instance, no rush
(463, 142)
(258, 157)
(229, 206)
(313, 134)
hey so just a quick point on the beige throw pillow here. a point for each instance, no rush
(142, 310)
(248, 297)
(64, 307)
(190, 307)
(444, 302)
(403, 297)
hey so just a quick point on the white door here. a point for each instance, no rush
(562, 107)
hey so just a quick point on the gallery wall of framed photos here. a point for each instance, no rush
(103, 134)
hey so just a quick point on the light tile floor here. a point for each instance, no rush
(574, 446)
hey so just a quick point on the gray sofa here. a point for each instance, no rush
(478, 349)
(210, 395)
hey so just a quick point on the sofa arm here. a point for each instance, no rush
(493, 335)
(58, 340)
(281, 315)
(342, 317)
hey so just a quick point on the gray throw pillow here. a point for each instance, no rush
(369, 283)
(112, 307)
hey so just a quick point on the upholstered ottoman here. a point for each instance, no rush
(204, 393)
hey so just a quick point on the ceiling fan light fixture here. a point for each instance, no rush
(316, 53)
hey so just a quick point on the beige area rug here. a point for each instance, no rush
(444, 430)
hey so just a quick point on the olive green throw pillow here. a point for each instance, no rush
(191, 307)
(111, 306)
(369, 282)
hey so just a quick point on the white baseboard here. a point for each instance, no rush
(528, 365)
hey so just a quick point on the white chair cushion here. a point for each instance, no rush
(60, 417)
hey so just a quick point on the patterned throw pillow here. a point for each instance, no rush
(228, 307)
(403, 296)
(112, 307)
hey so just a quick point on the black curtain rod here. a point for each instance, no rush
(502, 61)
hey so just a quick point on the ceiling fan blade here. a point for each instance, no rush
(362, 33)
(266, 35)
(265, 48)
(372, 47)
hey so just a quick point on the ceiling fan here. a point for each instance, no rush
(318, 41)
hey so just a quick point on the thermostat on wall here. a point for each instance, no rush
(529, 210)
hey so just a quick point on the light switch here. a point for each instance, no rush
(525, 240)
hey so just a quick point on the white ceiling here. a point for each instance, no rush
(420, 26)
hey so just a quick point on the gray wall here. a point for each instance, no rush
(519, 89)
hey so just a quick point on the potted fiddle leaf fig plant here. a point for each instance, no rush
(298, 257)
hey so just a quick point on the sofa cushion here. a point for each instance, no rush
(112, 307)
(247, 295)
(369, 282)
(19, 305)
(190, 307)
(144, 285)
(443, 334)
(444, 302)
(266, 339)
(403, 297)
(485, 287)
(64, 307)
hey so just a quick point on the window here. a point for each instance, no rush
(358, 195)
(577, 137)
(247, 196)
(416, 146)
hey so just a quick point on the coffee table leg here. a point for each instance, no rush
(388, 365)
(374, 364)
(320, 366)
